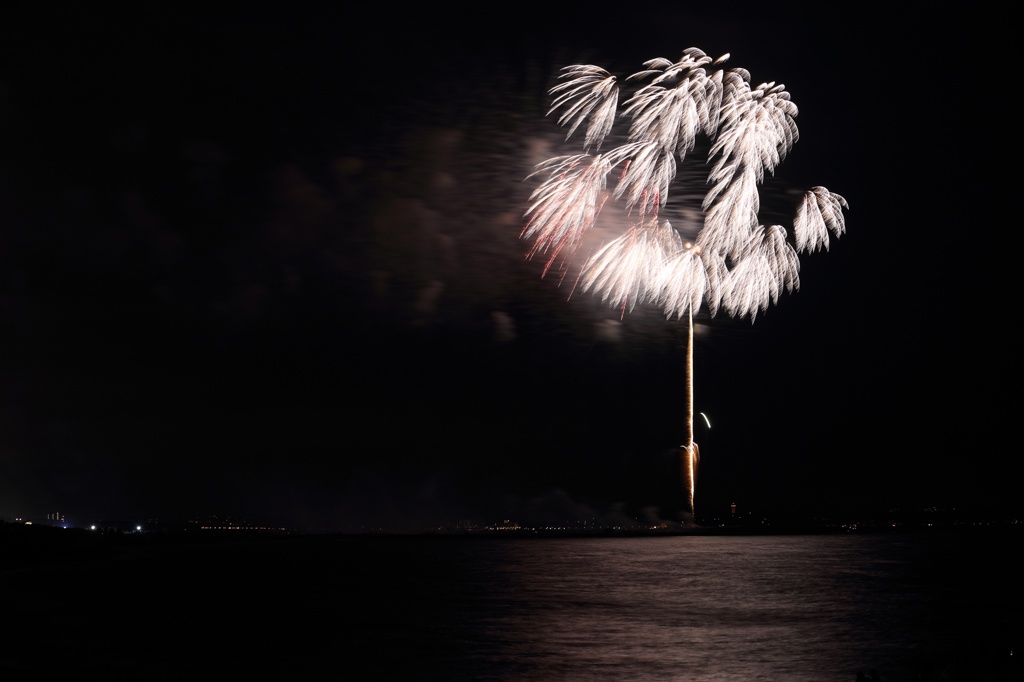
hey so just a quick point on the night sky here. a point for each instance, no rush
(264, 262)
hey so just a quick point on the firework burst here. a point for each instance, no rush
(734, 263)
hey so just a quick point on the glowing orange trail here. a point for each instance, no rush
(688, 451)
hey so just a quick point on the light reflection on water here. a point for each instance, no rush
(793, 608)
(800, 608)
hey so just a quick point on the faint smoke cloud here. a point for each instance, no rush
(426, 301)
(608, 330)
(504, 326)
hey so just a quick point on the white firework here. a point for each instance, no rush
(735, 263)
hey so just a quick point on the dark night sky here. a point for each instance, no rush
(265, 263)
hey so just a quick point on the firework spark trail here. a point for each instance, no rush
(567, 204)
(598, 98)
(621, 270)
(684, 281)
(819, 212)
(735, 263)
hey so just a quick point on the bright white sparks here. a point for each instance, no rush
(735, 263)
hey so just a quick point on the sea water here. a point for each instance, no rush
(944, 605)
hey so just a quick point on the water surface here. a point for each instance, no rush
(800, 608)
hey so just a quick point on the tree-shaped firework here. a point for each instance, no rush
(733, 263)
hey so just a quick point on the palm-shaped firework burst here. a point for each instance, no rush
(734, 263)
